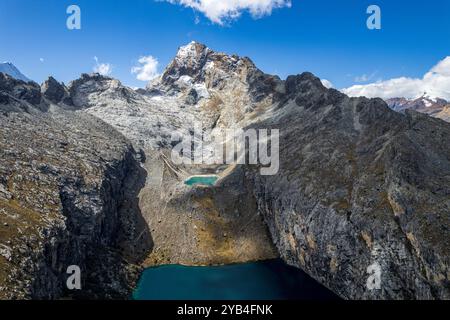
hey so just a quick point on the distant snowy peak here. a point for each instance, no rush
(432, 106)
(430, 100)
(418, 104)
(10, 69)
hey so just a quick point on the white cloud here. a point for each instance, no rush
(105, 69)
(326, 83)
(41, 59)
(435, 83)
(219, 11)
(147, 70)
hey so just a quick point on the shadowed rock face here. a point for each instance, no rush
(14, 90)
(53, 90)
(56, 92)
(63, 180)
(359, 185)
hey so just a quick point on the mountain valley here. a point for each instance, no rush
(86, 178)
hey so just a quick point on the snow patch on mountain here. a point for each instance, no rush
(10, 69)
(427, 104)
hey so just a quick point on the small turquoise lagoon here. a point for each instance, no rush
(206, 180)
(264, 280)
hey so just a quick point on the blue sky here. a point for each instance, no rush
(328, 38)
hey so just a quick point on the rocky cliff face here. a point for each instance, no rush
(19, 95)
(62, 180)
(56, 92)
(359, 185)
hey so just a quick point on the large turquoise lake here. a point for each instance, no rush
(264, 280)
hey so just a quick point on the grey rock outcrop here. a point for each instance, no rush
(13, 89)
(56, 92)
(64, 179)
(359, 186)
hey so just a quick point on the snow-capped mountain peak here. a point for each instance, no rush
(433, 106)
(197, 64)
(191, 51)
(10, 69)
